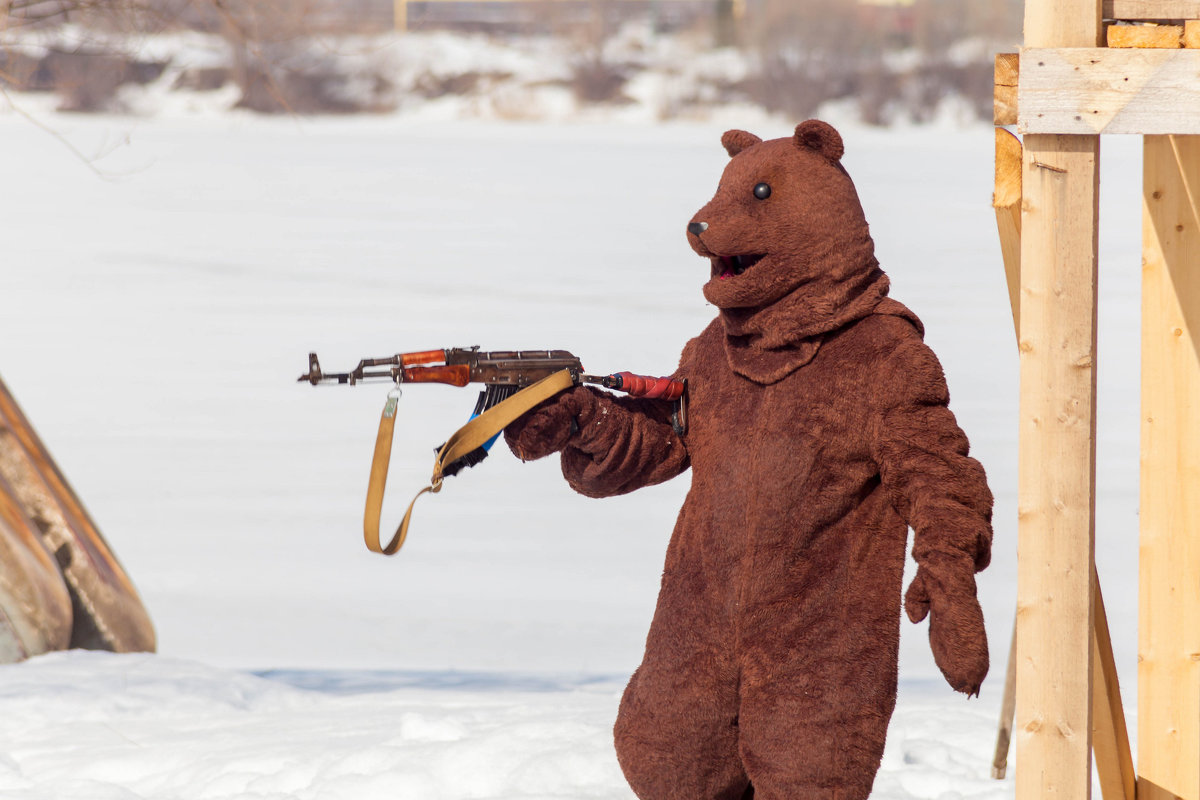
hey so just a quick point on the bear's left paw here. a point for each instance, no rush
(957, 635)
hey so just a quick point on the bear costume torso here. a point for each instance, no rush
(818, 433)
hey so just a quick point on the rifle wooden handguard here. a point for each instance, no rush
(454, 375)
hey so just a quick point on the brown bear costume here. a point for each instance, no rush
(818, 434)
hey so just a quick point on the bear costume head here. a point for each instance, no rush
(790, 252)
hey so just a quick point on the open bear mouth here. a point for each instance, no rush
(726, 267)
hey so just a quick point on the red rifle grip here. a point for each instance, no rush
(651, 388)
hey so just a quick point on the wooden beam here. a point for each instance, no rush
(1110, 735)
(1007, 69)
(1056, 467)
(1004, 96)
(1169, 511)
(1108, 90)
(1006, 199)
(1152, 9)
(1191, 33)
(1008, 709)
(1056, 484)
(1063, 23)
(1162, 37)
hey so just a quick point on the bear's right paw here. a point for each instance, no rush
(547, 428)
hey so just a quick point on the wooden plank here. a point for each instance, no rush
(1110, 735)
(1152, 9)
(1169, 593)
(1163, 37)
(1006, 199)
(1191, 33)
(1107, 90)
(1007, 69)
(1008, 710)
(1004, 105)
(1063, 23)
(1056, 510)
(1004, 97)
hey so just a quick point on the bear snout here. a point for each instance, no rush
(697, 228)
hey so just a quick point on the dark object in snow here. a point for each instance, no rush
(818, 433)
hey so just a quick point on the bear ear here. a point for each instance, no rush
(735, 142)
(821, 137)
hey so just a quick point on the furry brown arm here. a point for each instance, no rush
(942, 493)
(624, 444)
(610, 444)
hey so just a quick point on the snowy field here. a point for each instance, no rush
(160, 301)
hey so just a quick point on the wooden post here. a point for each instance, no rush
(1006, 200)
(1057, 467)
(1110, 736)
(1169, 602)
(1004, 93)
(1008, 708)
(400, 15)
(1059, 227)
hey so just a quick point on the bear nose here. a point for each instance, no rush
(697, 228)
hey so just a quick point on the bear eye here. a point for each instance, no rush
(762, 191)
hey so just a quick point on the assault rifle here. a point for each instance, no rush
(502, 372)
(514, 382)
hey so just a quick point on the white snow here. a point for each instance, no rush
(160, 301)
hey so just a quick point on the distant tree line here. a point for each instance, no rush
(892, 58)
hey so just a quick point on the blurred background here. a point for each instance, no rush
(884, 61)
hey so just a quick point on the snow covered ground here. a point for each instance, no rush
(160, 300)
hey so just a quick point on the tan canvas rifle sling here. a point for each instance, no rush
(470, 436)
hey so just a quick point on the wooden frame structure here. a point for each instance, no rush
(1063, 91)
